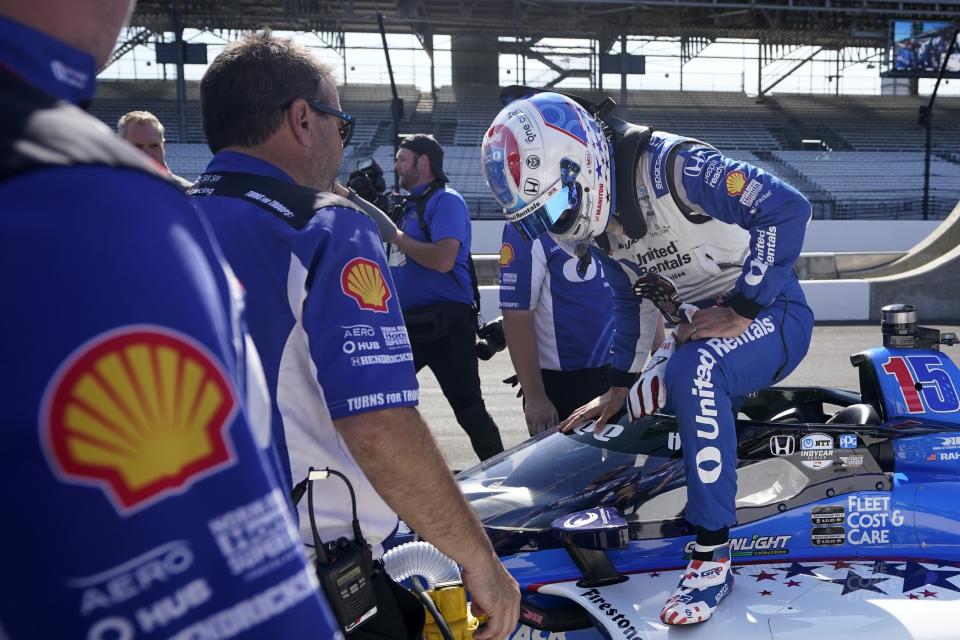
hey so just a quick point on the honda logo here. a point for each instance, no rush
(782, 445)
(673, 441)
(693, 166)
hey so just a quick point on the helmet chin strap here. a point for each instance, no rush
(583, 257)
(582, 250)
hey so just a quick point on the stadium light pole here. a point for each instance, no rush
(181, 79)
(396, 104)
(623, 75)
(926, 119)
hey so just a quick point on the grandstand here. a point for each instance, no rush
(868, 160)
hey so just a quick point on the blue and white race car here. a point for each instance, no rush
(848, 516)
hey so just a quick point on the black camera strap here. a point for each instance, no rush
(420, 207)
(292, 203)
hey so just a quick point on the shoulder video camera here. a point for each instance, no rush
(490, 339)
(368, 181)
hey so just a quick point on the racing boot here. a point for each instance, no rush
(705, 583)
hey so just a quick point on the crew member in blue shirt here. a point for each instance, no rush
(135, 437)
(325, 317)
(558, 324)
(430, 262)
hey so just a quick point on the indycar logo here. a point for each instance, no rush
(782, 445)
(362, 280)
(816, 451)
(142, 413)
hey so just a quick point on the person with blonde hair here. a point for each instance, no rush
(144, 130)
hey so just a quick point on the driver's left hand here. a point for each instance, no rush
(714, 322)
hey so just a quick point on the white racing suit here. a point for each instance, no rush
(725, 233)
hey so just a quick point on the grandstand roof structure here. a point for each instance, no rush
(828, 23)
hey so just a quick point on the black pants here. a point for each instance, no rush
(443, 338)
(569, 390)
(399, 616)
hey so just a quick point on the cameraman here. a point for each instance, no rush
(430, 263)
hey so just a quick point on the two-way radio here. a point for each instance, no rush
(344, 567)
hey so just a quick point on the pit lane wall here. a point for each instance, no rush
(915, 262)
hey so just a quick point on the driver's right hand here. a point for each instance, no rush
(602, 408)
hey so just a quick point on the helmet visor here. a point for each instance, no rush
(556, 215)
(557, 212)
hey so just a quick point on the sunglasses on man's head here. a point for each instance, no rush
(346, 120)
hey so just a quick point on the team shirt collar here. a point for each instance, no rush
(48, 64)
(243, 163)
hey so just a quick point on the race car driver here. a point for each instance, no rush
(713, 240)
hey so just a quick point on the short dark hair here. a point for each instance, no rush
(246, 88)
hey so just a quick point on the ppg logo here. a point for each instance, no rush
(848, 441)
(782, 445)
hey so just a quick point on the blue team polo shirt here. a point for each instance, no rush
(130, 408)
(447, 216)
(573, 314)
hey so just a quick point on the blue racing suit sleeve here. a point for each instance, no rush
(516, 271)
(351, 315)
(633, 333)
(774, 212)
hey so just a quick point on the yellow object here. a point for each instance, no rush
(451, 601)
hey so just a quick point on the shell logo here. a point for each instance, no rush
(142, 412)
(362, 280)
(736, 181)
(506, 254)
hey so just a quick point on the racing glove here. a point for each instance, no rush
(649, 393)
